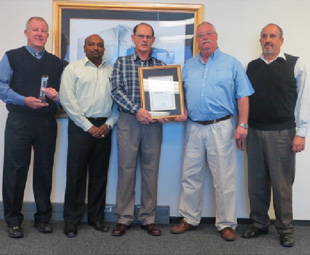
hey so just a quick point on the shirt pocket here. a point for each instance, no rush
(223, 78)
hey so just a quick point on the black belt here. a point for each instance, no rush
(96, 119)
(208, 122)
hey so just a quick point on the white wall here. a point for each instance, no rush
(238, 24)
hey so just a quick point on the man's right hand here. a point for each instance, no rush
(93, 130)
(34, 103)
(183, 117)
(144, 117)
(99, 132)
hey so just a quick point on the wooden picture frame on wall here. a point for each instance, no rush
(174, 26)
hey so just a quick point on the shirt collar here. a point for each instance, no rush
(35, 53)
(213, 56)
(281, 55)
(135, 56)
(87, 61)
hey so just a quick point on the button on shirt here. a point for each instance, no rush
(211, 89)
(85, 92)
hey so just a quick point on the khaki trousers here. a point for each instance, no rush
(212, 146)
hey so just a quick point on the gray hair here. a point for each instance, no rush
(35, 18)
(272, 24)
(207, 23)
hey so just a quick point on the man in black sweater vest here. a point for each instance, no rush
(278, 123)
(31, 124)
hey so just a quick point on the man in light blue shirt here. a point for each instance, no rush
(216, 89)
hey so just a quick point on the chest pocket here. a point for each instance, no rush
(222, 78)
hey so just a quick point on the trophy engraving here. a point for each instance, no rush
(44, 81)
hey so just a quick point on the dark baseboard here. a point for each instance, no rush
(211, 220)
(29, 208)
(162, 215)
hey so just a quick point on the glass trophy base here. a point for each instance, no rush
(43, 99)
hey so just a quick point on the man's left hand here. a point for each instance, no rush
(102, 131)
(144, 117)
(240, 136)
(51, 93)
(163, 120)
(298, 144)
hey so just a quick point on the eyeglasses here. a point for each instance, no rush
(202, 35)
(149, 37)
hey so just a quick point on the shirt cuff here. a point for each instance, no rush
(86, 125)
(20, 100)
(301, 132)
(109, 123)
(135, 109)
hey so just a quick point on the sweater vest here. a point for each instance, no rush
(273, 103)
(27, 73)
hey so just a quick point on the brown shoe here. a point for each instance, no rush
(181, 227)
(152, 229)
(228, 234)
(120, 229)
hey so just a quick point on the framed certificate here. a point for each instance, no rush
(162, 91)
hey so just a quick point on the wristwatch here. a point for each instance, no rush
(244, 125)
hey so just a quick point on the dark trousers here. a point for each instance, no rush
(271, 164)
(86, 154)
(22, 133)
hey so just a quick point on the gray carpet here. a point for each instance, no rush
(204, 240)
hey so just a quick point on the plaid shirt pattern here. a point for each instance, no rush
(125, 81)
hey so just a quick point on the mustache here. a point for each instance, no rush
(207, 41)
(144, 44)
(268, 44)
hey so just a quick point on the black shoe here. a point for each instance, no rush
(44, 227)
(287, 240)
(254, 232)
(99, 226)
(70, 230)
(16, 232)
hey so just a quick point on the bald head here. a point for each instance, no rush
(94, 48)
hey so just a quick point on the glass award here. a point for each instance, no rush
(44, 81)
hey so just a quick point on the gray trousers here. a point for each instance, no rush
(134, 140)
(271, 163)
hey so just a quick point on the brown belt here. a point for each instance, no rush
(208, 122)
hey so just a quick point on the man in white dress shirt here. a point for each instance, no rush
(85, 96)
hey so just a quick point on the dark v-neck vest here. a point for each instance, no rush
(27, 73)
(273, 103)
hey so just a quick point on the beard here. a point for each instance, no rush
(268, 50)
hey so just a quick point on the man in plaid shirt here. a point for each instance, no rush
(137, 135)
